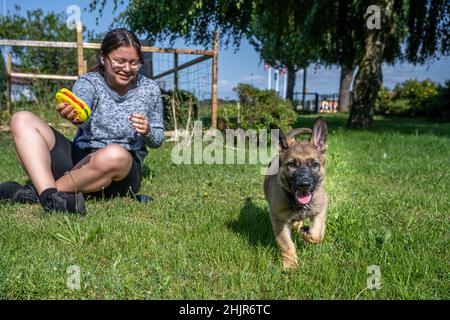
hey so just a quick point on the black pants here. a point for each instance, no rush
(65, 155)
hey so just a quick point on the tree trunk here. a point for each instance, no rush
(344, 88)
(304, 89)
(291, 71)
(369, 76)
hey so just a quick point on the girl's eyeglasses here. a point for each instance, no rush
(116, 64)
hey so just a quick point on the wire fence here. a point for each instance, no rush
(186, 72)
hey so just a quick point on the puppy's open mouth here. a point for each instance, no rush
(303, 197)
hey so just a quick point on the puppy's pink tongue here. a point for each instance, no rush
(303, 198)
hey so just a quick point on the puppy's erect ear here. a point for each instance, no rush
(319, 135)
(281, 137)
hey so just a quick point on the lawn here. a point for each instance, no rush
(207, 234)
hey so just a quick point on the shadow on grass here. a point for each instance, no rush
(147, 172)
(254, 224)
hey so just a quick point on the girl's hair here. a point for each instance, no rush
(114, 39)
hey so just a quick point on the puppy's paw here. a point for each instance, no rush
(289, 262)
(290, 266)
(310, 237)
(297, 225)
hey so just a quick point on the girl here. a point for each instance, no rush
(105, 157)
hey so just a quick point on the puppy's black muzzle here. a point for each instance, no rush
(303, 179)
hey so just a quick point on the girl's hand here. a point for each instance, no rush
(140, 123)
(67, 112)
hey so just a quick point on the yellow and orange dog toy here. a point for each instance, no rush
(83, 111)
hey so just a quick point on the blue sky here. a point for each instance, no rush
(244, 65)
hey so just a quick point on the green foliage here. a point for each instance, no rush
(193, 20)
(334, 31)
(182, 100)
(439, 106)
(260, 108)
(291, 46)
(340, 36)
(385, 103)
(51, 26)
(418, 93)
(400, 107)
(36, 25)
(414, 98)
(428, 24)
(227, 115)
(74, 235)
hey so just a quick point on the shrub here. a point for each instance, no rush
(439, 105)
(227, 115)
(260, 108)
(401, 107)
(182, 100)
(412, 98)
(383, 104)
(418, 93)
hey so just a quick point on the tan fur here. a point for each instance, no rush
(281, 216)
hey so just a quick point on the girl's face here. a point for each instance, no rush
(122, 66)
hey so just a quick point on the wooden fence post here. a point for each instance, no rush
(214, 84)
(9, 83)
(80, 48)
(175, 74)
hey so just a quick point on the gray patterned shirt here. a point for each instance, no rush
(109, 122)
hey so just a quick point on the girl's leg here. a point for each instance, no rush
(34, 139)
(97, 170)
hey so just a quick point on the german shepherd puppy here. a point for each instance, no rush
(296, 190)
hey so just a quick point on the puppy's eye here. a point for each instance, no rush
(315, 166)
(291, 164)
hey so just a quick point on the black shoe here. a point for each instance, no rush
(16, 192)
(66, 202)
(142, 198)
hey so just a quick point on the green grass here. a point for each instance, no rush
(207, 234)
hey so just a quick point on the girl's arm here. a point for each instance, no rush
(84, 90)
(155, 136)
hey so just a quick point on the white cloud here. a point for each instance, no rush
(254, 78)
(225, 84)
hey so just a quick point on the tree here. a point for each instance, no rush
(344, 31)
(287, 52)
(368, 79)
(291, 50)
(193, 20)
(341, 45)
(336, 31)
(425, 25)
(37, 25)
(274, 28)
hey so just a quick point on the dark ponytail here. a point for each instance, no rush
(114, 39)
